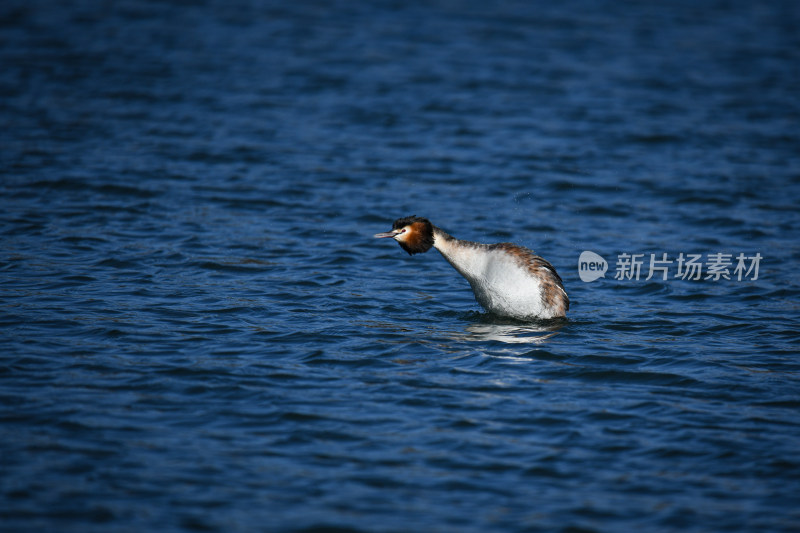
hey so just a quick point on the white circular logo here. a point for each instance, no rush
(591, 266)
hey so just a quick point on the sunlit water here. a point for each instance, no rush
(199, 333)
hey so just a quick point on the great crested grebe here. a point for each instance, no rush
(507, 279)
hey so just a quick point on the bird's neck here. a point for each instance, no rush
(467, 257)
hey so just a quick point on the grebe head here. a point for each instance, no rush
(414, 234)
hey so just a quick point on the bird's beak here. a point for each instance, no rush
(387, 234)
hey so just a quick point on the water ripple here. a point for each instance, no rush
(198, 331)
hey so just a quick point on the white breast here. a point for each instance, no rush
(507, 289)
(500, 283)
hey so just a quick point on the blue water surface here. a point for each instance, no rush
(198, 332)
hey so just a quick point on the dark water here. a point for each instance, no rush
(198, 332)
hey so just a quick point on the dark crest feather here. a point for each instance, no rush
(421, 239)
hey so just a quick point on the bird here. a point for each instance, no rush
(508, 280)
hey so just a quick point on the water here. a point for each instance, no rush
(199, 333)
